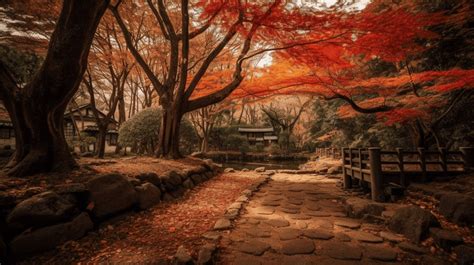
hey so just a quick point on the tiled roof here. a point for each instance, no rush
(263, 129)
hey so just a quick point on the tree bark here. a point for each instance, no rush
(101, 139)
(37, 110)
(168, 139)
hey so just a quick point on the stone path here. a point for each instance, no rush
(300, 219)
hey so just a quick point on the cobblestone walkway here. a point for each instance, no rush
(299, 219)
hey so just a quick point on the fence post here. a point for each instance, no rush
(376, 181)
(443, 160)
(360, 167)
(467, 157)
(422, 159)
(403, 178)
(347, 178)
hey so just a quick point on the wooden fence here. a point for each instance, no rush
(377, 168)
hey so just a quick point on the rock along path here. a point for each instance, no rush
(299, 219)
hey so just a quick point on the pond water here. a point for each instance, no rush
(267, 164)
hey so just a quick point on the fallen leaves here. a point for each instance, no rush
(154, 235)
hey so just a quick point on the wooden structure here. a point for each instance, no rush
(377, 168)
(78, 121)
(264, 135)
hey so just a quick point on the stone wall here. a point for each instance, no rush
(69, 211)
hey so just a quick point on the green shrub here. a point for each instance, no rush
(259, 147)
(274, 148)
(237, 142)
(189, 141)
(141, 131)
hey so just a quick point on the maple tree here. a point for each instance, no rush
(248, 23)
(386, 34)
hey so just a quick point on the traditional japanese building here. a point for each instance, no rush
(264, 135)
(7, 134)
(80, 128)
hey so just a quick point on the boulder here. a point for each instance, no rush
(151, 177)
(49, 237)
(178, 192)
(148, 195)
(229, 170)
(74, 188)
(167, 197)
(222, 224)
(206, 255)
(413, 222)
(260, 169)
(188, 184)
(76, 193)
(335, 170)
(110, 194)
(357, 207)
(209, 174)
(458, 208)
(134, 181)
(208, 163)
(182, 257)
(445, 239)
(172, 180)
(41, 210)
(465, 254)
(269, 173)
(197, 179)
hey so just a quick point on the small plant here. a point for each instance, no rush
(274, 149)
(259, 147)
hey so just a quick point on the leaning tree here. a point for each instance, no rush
(37, 108)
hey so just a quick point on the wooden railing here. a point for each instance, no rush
(374, 167)
(329, 152)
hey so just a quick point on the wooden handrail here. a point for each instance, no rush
(373, 165)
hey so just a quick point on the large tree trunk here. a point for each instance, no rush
(101, 139)
(205, 143)
(168, 139)
(37, 110)
(41, 146)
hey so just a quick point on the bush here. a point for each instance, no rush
(259, 147)
(274, 149)
(237, 142)
(189, 141)
(141, 131)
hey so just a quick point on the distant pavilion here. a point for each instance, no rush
(264, 135)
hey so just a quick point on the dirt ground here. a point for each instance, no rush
(22, 188)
